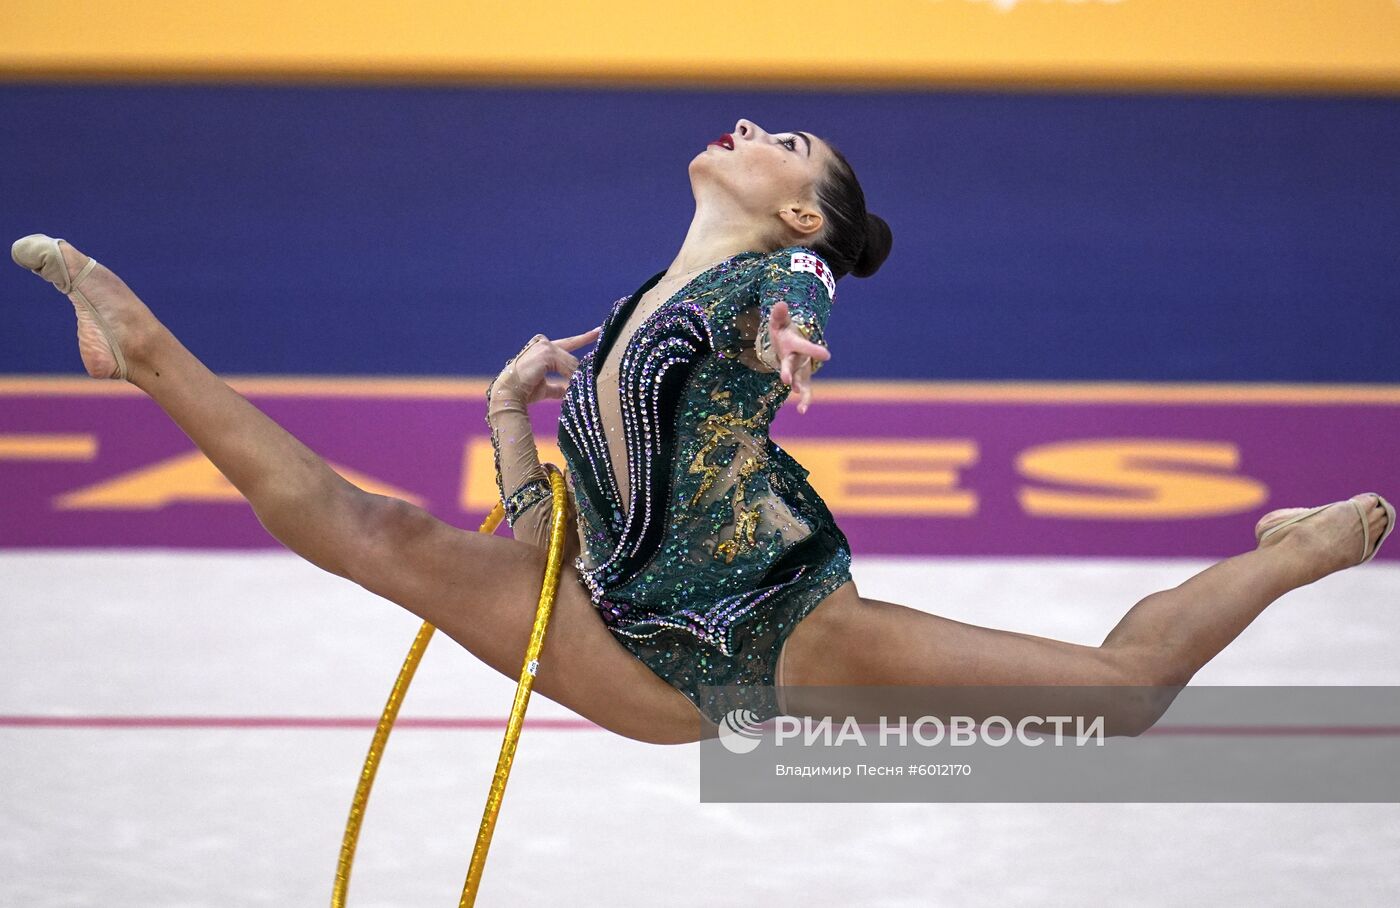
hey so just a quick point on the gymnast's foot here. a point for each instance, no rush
(1331, 540)
(101, 301)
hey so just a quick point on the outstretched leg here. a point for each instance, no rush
(1161, 642)
(479, 590)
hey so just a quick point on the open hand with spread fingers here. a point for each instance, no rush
(525, 378)
(798, 356)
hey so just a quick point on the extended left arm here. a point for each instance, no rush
(796, 293)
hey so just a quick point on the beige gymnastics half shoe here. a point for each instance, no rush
(1274, 521)
(40, 254)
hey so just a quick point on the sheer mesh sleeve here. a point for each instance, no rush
(522, 481)
(802, 279)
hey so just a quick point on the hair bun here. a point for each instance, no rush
(876, 248)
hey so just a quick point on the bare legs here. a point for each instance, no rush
(1161, 642)
(301, 501)
(479, 590)
(1181, 629)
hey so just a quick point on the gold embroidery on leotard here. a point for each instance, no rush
(746, 519)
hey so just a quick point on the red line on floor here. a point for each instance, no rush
(488, 723)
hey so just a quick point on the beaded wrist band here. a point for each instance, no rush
(525, 497)
(765, 344)
(807, 331)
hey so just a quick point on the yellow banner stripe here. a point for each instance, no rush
(1327, 44)
(38, 446)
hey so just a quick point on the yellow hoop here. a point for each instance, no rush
(543, 611)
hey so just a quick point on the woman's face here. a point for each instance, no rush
(763, 173)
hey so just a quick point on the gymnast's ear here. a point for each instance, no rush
(803, 219)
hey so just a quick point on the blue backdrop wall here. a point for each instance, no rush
(430, 230)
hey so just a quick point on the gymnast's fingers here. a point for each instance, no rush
(544, 359)
(802, 383)
(778, 318)
(813, 349)
(792, 363)
(579, 340)
(561, 361)
(804, 378)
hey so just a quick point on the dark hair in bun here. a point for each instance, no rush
(856, 241)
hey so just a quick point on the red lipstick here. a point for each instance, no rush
(725, 141)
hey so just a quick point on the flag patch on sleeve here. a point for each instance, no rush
(805, 261)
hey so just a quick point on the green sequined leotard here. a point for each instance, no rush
(718, 546)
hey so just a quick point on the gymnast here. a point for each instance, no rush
(703, 573)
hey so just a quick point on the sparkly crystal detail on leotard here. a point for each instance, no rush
(722, 544)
